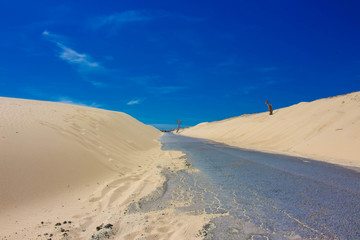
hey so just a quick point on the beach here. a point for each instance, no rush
(75, 172)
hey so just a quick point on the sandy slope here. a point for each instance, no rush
(326, 129)
(62, 162)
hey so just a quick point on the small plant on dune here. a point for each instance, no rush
(270, 107)
(179, 123)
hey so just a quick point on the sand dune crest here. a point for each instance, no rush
(69, 171)
(327, 129)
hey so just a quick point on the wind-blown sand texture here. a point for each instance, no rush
(326, 129)
(67, 172)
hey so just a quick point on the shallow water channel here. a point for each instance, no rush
(263, 196)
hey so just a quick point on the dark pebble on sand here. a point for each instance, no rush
(98, 228)
(109, 225)
(58, 224)
(42, 222)
(65, 222)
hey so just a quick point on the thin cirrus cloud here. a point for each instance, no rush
(119, 19)
(69, 55)
(125, 17)
(89, 69)
(134, 102)
(74, 57)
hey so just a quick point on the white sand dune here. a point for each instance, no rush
(61, 162)
(326, 129)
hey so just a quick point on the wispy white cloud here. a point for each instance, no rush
(134, 102)
(70, 55)
(73, 57)
(55, 38)
(119, 19)
(52, 36)
(125, 17)
(88, 69)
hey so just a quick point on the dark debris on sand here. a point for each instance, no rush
(104, 232)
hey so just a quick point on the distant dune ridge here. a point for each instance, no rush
(61, 162)
(47, 141)
(326, 129)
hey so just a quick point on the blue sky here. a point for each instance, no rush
(197, 61)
